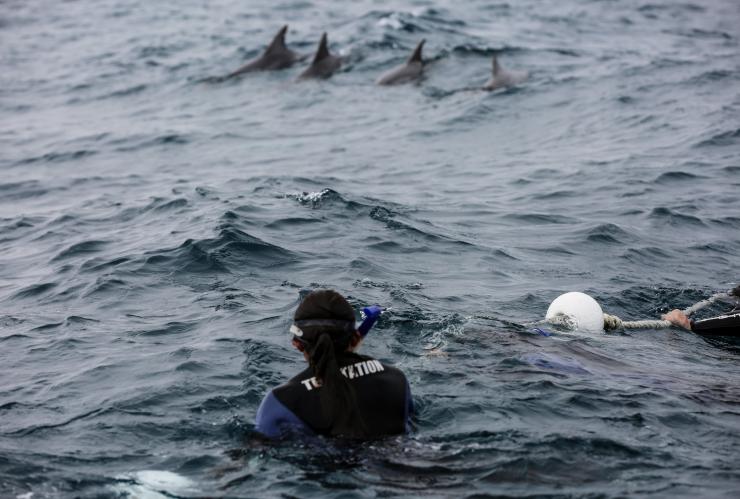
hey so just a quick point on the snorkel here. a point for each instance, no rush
(370, 316)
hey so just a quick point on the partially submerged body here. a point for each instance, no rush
(723, 325)
(276, 56)
(502, 78)
(341, 393)
(383, 400)
(406, 72)
(324, 64)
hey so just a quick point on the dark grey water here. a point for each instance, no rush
(156, 229)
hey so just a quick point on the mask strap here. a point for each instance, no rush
(346, 326)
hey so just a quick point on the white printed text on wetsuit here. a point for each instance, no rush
(352, 371)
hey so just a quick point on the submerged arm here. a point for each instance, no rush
(274, 419)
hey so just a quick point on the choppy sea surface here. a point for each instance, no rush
(157, 228)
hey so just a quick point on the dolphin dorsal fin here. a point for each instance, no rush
(416, 55)
(323, 51)
(278, 43)
(496, 67)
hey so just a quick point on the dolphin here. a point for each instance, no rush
(502, 78)
(408, 71)
(324, 64)
(275, 56)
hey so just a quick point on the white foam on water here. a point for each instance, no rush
(391, 21)
(155, 484)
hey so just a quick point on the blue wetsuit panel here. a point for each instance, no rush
(274, 419)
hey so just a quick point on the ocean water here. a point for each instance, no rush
(157, 228)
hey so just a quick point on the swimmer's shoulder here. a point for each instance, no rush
(293, 385)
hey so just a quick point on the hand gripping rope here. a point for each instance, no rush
(613, 322)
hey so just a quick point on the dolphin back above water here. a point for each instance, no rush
(278, 56)
(324, 64)
(275, 56)
(502, 78)
(408, 71)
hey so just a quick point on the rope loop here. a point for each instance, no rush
(612, 322)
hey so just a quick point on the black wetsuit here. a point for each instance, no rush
(383, 399)
(723, 325)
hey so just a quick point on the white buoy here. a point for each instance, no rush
(576, 311)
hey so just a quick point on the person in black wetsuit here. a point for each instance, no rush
(341, 393)
(728, 324)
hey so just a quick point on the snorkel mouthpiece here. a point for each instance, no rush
(370, 316)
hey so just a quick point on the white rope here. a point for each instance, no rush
(613, 322)
(704, 303)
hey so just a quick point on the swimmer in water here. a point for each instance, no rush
(725, 324)
(341, 393)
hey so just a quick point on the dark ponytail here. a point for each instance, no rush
(337, 395)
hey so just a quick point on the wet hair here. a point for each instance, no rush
(327, 323)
